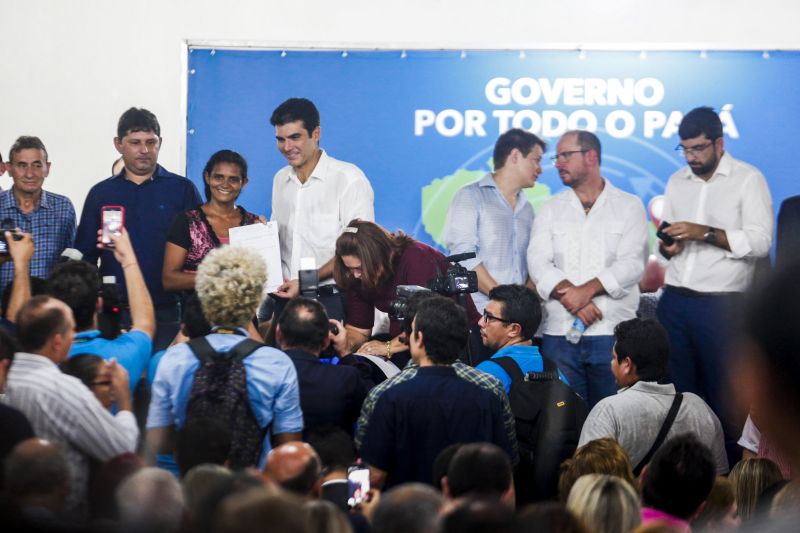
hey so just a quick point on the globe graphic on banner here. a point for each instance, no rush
(619, 168)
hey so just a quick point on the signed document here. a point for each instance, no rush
(262, 238)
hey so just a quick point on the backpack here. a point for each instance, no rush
(549, 417)
(219, 390)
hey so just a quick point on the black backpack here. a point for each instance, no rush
(549, 416)
(219, 390)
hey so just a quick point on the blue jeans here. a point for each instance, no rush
(586, 365)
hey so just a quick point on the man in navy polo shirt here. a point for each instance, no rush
(510, 319)
(152, 197)
(408, 419)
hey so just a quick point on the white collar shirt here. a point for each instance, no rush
(609, 243)
(312, 215)
(736, 199)
(64, 411)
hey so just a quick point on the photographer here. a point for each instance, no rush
(370, 263)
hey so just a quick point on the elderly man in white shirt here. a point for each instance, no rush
(587, 252)
(313, 199)
(721, 216)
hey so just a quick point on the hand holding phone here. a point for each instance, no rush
(669, 241)
(357, 484)
(113, 220)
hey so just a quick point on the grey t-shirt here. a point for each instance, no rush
(635, 415)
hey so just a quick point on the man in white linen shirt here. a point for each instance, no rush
(313, 199)
(60, 408)
(721, 215)
(587, 253)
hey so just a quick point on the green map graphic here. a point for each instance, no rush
(437, 196)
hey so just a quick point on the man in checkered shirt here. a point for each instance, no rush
(49, 217)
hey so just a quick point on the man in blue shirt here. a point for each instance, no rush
(509, 322)
(77, 284)
(229, 285)
(151, 197)
(408, 419)
(49, 217)
(492, 216)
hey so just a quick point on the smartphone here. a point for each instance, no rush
(357, 484)
(669, 241)
(113, 220)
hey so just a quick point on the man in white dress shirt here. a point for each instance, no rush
(313, 199)
(721, 215)
(586, 255)
(60, 408)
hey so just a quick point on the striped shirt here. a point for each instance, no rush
(62, 410)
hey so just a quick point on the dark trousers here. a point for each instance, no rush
(700, 328)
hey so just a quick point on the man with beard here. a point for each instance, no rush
(721, 215)
(586, 255)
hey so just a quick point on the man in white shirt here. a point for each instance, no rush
(586, 255)
(721, 215)
(313, 199)
(60, 408)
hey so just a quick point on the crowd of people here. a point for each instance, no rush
(149, 384)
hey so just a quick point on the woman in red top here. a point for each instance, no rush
(370, 264)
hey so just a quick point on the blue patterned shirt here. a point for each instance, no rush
(481, 220)
(52, 224)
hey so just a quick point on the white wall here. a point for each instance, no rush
(69, 68)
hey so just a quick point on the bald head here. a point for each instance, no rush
(36, 473)
(295, 466)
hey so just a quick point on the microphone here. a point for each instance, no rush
(460, 257)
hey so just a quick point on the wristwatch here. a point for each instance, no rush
(710, 236)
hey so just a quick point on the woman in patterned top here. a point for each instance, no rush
(199, 230)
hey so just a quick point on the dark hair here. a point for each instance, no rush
(194, 321)
(588, 141)
(38, 321)
(412, 305)
(77, 284)
(550, 517)
(408, 508)
(480, 515)
(223, 156)
(442, 464)
(202, 441)
(38, 286)
(137, 119)
(39, 472)
(334, 446)
(777, 334)
(444, 328)
(700, 121)
(295, 109)
(26, 142)
(646, 343)
(679, 477)
(479, 469)
(82, 366)
(8, 345)
(378, 250)
(520, 305)
(522, 140)
(303, 324)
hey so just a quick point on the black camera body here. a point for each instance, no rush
(398, 306)
(457, 280)
(7, 225)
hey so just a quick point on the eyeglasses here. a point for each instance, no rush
(693, 150)
(563, 156)
(233, 180)
(487, 316)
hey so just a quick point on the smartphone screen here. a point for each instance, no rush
(357, 485)
(112, 220)
(3, 245)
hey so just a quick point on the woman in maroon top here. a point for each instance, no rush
(197, 231)
(370, 263)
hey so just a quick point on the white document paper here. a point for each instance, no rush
(263, 239)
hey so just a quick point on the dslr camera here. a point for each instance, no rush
(457, 280)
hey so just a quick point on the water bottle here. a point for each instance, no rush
(576, 331)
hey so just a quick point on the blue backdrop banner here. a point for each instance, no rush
(422, 124)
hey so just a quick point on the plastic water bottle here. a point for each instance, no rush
(576, 331)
